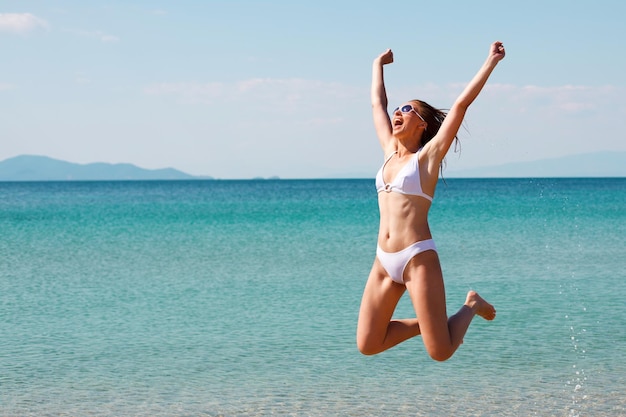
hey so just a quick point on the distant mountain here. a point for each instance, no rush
(42, 168)
(598, 164)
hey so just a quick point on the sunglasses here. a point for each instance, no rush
(407, 108)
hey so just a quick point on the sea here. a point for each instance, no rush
(241, 298)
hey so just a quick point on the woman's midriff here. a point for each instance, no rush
(403, 221)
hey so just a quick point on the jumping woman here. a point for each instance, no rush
(414, 140)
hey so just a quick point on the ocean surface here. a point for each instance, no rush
(240, 298)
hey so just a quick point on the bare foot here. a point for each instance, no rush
(480, 306)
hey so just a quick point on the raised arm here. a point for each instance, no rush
(382, 123)
(439, 145)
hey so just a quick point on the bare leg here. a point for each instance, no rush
(459, 323)
(376, 331)
(481, 307)
(442, 335)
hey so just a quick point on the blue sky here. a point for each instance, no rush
(240, 89)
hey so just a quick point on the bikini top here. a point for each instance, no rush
(407, 181)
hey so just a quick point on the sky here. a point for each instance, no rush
(244, 89)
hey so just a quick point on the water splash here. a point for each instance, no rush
(577, 383)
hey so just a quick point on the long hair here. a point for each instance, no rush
(434, 118)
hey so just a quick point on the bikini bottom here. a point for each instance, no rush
(395, 262)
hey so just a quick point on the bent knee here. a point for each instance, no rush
(367, 351)
(440, 355)
(366, 347)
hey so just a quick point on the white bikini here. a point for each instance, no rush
(407, 181)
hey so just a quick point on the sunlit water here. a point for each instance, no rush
(240, 298)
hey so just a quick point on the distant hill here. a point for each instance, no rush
(598, 164)
(42, 168)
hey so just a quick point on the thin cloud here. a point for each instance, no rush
(272, 92)
(319, 96)
(5, 86)
(318, 103)
(108, 38)
(188, 92)
(21, 23)
(320, 122)
(567, 99)
(103, 37)
(81, 79)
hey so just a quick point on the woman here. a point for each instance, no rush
(414, 140)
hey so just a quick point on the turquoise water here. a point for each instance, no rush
(240, 298)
